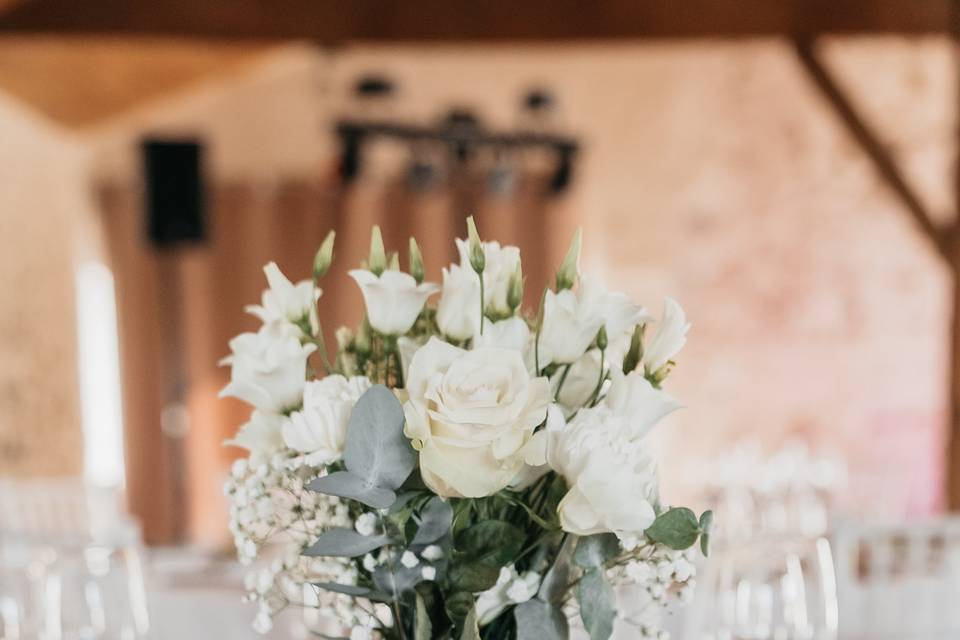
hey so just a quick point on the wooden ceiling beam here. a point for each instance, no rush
(335, 21)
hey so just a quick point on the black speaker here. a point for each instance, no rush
(175, 201)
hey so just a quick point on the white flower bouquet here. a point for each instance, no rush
(457, 471)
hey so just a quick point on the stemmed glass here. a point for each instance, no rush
(95, 592)
(775, 589)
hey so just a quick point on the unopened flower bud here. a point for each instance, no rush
(393, 262)
(377, 261)
(602, 338)
(515, 289)
(324, 257)
(361, 342)
(344, 338)
(416, 261)
(570, 268)
(477, 259)
(635, 352)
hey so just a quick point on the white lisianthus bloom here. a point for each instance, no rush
(470, 414)
(393, 300)
(500, 263)
(512, 333)
(581, 382)
(408, 347)
(260, 436)
(458, 312)
(319, 429)
(670, 337)
(287, 302)
(511, 588)
(268, 368)
(602, 456)
(571, 320)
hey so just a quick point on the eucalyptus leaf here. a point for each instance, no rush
(705, 544)
(398, 580)
(346, 484)
(597, 607)
(706, 524)
(553, 588)
(435, 521)
(354, 591)
(471, 630)
(596, 550)
(423, 628)
(345, 543)
(539, 620)
(677, 528)
(376, 449)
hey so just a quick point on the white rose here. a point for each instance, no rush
(500, 263)
(571, 320)
(670, 337)
(268, 368)
(260, 436)
(287, 302)
(458, 312)
(601, 454)
(319, 430)
(408, 347)
(393, 300)
(470, 414)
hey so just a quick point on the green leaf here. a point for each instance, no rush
(597, 608)
(345, 484)
(706, 524)
(398, 580)
(376, 449)
(354, 591)
(539, 620)
(345, 543)
(471, 631)
(677, 528)
(473, 576)
(595, 551)
(458, 605)
(435, 521)
(553, 589)
(491, 542)
(422, 629)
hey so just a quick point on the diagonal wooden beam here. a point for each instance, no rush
(870, 143)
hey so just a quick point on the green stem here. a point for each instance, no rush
(536, 341)
(563, 379)
(480, 275)
(592, 402)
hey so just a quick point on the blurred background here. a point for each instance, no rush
(785, 169)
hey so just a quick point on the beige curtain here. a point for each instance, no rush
(179, 309)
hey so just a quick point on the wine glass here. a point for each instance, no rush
(772, 589)
(22, 594)
(97, 591)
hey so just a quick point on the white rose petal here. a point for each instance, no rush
(393, 299)
(470, 414)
